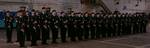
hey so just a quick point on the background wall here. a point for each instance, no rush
(54, 4)
(123, 6)
(127, 5)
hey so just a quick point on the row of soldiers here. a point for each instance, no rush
(45, 26)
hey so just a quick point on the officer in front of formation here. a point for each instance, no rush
(18, 18)
(9, 26)
(21, 29)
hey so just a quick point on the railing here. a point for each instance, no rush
(105, 8)
(97, 3)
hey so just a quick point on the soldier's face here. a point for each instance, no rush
(27, 14)
(76, 14)
(33, 13)
(45, 21)
(93, 15)
(98, 15)
(49, 9)
(7, 14)
(23, 24)
(62, 14)
(72, 14)
(43, 10)
(54, 13)
(37, 13)
(86, 14)
(80, 15)
(19, 14)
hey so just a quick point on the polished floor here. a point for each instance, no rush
(130, 41)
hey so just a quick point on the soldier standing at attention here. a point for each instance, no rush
(86, 26)
(104, 25)
(98, 25)
(18, 23)
(93, 26)
(128, 24)
(74, 33)
(80, 26)
(9, 26)
(18, 18)
(63, 26)
(27, 26)
(34, 34)
(37, 17)
(22, 28)
(43, 25)
(71, 26)
(48, 16)
(145, 22)
(119, 25)
(55, 28)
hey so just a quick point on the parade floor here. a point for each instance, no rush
(130, 41)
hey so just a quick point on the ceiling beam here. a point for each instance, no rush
(13, 2)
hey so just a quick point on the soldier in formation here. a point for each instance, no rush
(9, 26)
